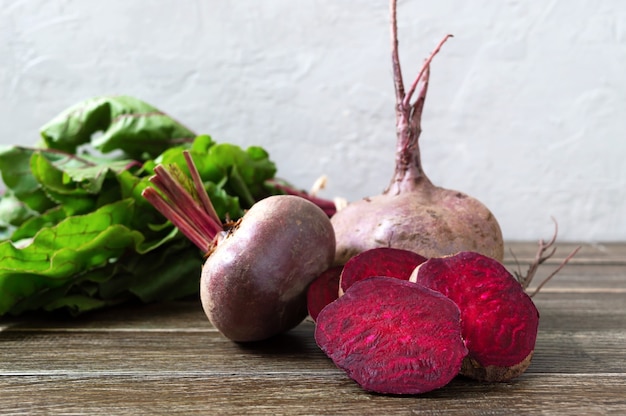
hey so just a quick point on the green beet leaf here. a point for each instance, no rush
(75, 232)
(62, 252)
(126, 124)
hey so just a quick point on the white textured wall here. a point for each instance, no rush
(526, 110)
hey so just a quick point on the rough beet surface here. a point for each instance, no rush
(413, 213)
(429, 220)
(254, 283)
(381, 261)
(392, 336)
(323, 290)
(500, 321)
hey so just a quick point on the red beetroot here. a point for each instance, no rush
(323, 290)
(381, 261)
(499, 319)
(254, 283)
(393, 336)
(413, 213)
(254, 280)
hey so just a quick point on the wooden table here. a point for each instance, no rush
(167, 359)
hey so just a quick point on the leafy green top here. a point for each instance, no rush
(75, 232)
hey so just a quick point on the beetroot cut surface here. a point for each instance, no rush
(381, 261)
(323, 290)
(392, 336)
(500, 321)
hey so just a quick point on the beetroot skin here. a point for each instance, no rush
(254, 283)
(500, 321)
(393, 336)
(323, 290)
(382, 261)
(255, 278)
(428, 220)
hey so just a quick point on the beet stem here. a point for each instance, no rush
(169, 212)
(395, 59)
(202, 194)
(418, 106)
(408, 173)
(185, 204)
(195, 218)
(426, 66)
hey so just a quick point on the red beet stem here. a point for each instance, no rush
(180, 222)
(197, 220)
(408, 173)
(197, 182)
(425, 67)
(189, 207)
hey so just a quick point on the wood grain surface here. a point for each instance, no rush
(167, 359)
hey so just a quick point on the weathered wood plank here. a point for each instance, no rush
(309, 394)
(591, 352)
(578, 332)
(167, 359)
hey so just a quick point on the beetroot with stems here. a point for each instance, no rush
(412, 213)
(393, 336)
(382, 261)
(254, 280)
(499, 320)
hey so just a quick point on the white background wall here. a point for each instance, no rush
(526, 109)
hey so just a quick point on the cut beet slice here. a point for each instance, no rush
(323, 290)
(392, 336)
(500, 321)
(381, 261)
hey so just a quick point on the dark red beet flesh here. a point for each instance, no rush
(499, 319)
(382, 261)
(323, 290)
(392, 336)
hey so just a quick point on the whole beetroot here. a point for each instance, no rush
(254, 280)
(393, 336)
(254, 283)
(412, 213)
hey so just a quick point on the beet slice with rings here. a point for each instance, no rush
(500, 321)
(393, 336)
(381, 261)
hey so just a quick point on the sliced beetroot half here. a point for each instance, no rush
(323, 290)
(392, 336)
(380, 261)
(499, 319)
